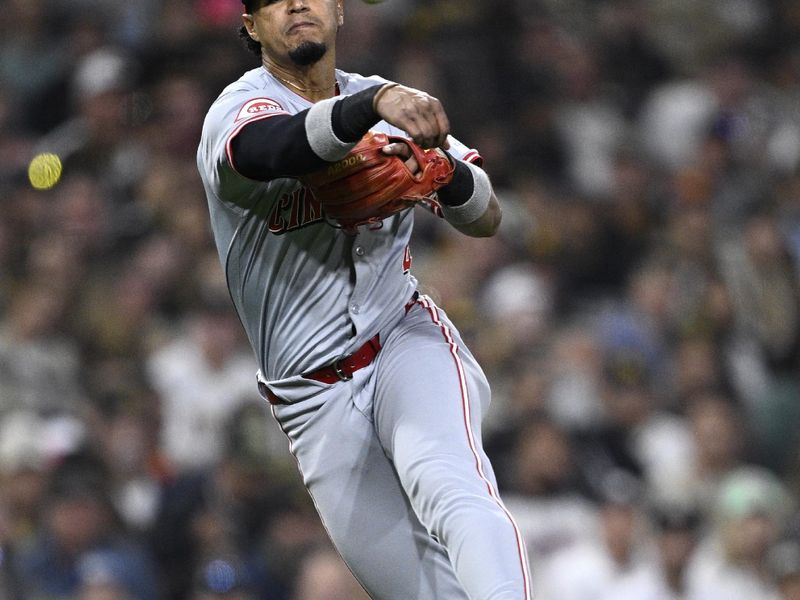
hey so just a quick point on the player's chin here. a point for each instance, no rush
(307, 52)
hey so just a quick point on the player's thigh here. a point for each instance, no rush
(362, 505)
(430, 391)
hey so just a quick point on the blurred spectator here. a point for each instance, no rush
(718, 448)
(98, 139)
(589, 569)
(39, 362)
(230, 511)
(762, 278)
(668, 577)
(639, 436)
(202, 376)
(79, 539)
(673, 121)
(25, 31)
(589, 122)
(546, 496)
(29, 445)
(752, 507)
(575, 398)
(127, 433)
(516, 304)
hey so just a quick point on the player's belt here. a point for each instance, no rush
(343, 369)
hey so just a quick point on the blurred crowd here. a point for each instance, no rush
(638, 314)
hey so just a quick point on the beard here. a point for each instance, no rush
(308, 53)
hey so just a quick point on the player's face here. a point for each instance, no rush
(284, 26)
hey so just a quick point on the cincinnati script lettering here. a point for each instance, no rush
(293, 211)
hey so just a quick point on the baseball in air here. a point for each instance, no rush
(44, 171)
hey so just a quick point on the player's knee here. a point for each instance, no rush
(442, 495)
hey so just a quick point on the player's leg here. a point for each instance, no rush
(361, 502)
(430, 399)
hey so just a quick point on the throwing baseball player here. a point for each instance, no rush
(311, 174)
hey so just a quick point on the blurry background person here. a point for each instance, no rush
(752, 508)
(668, 574)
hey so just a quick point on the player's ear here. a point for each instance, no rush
(340, 12)
(250, 26)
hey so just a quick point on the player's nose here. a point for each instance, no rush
(297, 5)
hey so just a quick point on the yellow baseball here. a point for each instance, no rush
(44, 171)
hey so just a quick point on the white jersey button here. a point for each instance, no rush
(355, 308)
(360, 250)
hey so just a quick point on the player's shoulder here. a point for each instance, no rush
(350, 83)
(254, 94)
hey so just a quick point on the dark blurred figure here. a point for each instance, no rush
(632, 64)
(751, 510)
(591, 568)
(668, 577)
(80, 538)
(545, 494)
(226, 510)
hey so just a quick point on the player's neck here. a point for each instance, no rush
(314, 82)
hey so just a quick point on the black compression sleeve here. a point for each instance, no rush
(460, 188)
(353, 115)
(278, 146)
(274, 147)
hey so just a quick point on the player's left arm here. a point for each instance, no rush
(468, 202)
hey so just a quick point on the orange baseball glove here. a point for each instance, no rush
(367, 186)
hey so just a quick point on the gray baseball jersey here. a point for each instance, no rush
(307, 294)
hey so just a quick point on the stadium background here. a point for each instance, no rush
(638, 313)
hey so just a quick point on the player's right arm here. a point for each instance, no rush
(292, 145)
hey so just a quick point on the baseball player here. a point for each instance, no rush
(372, 384)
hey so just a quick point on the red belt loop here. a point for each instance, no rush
(412, 302)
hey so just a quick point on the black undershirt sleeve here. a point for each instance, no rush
(460, 188)
(278, 146)
(274, 147)
(354, 115)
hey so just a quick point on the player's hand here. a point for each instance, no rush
(403, 151)
(419, 114)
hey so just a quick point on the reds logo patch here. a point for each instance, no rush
(257, 107)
